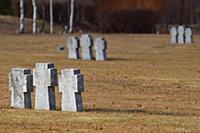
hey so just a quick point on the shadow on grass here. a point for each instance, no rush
(136, 111)
(119, 59)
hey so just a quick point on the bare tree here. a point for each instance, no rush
(34, 16)
(71, 16)
(51, 16)
(21, 28)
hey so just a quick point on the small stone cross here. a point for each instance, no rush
(71, 84)
(73, 48)
(181, 32)
(173, 34)
(188, 35)
(45, 80)
(86, 43)
(21, 86)
(100, 46)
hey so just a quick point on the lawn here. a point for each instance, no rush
(145, 86)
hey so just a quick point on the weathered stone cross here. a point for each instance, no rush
(73, 48)
(100, 46)
(181, 32)
(173, 34)
(21, 86)
(86, 43)
(71, 84)
(45, 80)
(188, 35)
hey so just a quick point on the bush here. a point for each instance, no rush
(5, 7)
(128, 21)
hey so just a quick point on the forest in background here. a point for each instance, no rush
(137, 18)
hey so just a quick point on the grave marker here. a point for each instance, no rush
(73, 48)
(181, 32)
(21, 86)
(173, 34)
(188, 35)
(45, 80)
(86, 43)
(100, 46)
(71, 84)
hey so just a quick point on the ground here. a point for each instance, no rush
(145, 86)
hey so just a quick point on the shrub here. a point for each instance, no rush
(128, 21)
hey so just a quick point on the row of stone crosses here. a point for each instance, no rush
(86, 43)
(181, 35)
(44, 78)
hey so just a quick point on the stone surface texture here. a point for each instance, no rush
(73, 48)
(21, 86)
(188, 36)
(173, 34)
(100, 46)
(45, 80)
(71, 84)
(181, 34)
(86, 43)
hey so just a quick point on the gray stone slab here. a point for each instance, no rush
(100, 46)
(86, 43)
(181, 34)
(45, 80)
(173, 35)
(73, 48)
(71, 84)
(188, 36)
(21, 86)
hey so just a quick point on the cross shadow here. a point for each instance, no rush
(136, 111)
(119, 59)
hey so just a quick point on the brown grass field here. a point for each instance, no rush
(146, 86)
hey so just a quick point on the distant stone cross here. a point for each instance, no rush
(173, 34)
(71, 84)
(21, 86)
(100, 46)
(181, 32)
(86, 43)
(73, 48)
(45, 80)
(188, 35)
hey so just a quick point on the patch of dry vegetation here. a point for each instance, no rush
(10, 25)
(146, 86)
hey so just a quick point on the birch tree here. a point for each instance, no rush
(51, 16)
(71, 20)
(34, 16)
(21, 27)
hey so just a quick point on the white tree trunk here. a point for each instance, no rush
(51, 16)
(71, 20)
(21, 27)
(34, 16)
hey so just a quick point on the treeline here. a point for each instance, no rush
(6, 7)
(113, 15)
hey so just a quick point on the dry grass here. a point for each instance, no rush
(10, 25)
(146, 86)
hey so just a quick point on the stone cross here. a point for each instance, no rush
(86, 43)
(173, 34)
(45, 80)
(181, 32)
(21, 86)
(188, 35)
(71, 84)
(100, 45)
(73, 48)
